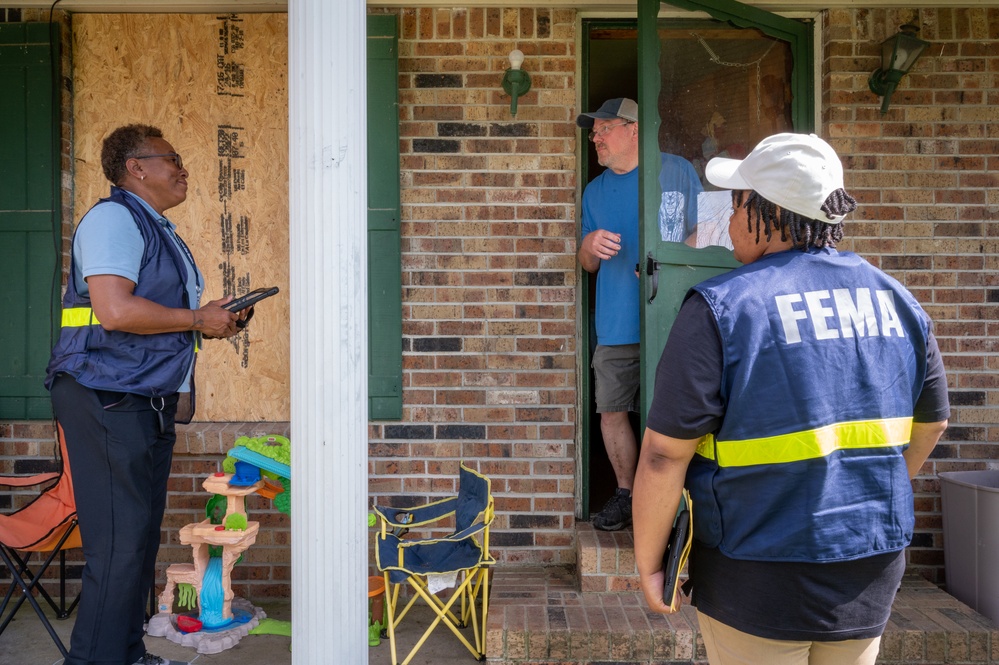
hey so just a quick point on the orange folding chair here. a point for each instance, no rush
(46, 526)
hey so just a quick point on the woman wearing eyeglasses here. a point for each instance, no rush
(123, 363)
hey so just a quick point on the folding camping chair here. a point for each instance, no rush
(47, 526)
(461, 556)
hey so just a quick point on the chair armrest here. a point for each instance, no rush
(468, 532)
(28, 481)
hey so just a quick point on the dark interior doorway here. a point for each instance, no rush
(610, 71)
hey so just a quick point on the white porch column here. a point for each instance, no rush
(328, 327)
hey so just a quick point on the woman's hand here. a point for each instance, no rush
(652, 589)
(215, 322)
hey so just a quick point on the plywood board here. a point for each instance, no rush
(217, 87)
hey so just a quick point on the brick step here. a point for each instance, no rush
(605, 560)
(539, 616)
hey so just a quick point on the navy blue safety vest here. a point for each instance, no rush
(824, 358)
(151, 365)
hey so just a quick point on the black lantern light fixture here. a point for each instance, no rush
(898, 54)
(516, 81)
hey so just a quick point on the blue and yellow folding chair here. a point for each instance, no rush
(463, 554)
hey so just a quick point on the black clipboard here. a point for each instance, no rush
(677, 551)
(249, 300)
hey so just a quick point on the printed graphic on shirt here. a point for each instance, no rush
(672, 217)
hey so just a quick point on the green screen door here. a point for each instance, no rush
(715, 78)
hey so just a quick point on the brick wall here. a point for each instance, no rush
(925, 176)
(488, 273)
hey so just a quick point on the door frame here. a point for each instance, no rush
(583, 300)
(801, 35)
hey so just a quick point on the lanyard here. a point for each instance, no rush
(187, 255)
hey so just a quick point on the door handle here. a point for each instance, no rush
(652, 269)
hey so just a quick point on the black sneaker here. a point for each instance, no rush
(616, 513)
(150, 659)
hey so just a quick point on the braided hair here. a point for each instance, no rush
(804, 233)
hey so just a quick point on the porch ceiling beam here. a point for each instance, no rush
(251, 6)
(157, 6)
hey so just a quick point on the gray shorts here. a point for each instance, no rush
(616, 377)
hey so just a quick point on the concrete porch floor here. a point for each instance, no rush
(591, 616)
(25, 642)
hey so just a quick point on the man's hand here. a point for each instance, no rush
(598, 246)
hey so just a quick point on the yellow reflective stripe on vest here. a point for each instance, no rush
(810, 444)
(77, 317)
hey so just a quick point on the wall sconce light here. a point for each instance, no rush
(516, 82)
(898, 54)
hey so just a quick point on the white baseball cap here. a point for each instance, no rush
(798, 172)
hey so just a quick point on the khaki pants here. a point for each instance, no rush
(728, 646)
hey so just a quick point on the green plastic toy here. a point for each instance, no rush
(187, 596)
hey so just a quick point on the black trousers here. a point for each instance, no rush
(120, 448)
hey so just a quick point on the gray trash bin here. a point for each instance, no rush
(971, 538)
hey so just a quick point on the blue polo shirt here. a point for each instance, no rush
(107, 242)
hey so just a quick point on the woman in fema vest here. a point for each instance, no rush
(796, 397)
(124, 361)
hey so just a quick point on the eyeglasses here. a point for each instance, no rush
(176, 158)
(594, 133)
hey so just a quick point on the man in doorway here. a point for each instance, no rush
(609, 248)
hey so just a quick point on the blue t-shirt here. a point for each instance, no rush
(107, 242)
(610, 202)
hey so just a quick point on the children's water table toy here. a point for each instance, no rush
(217, 545)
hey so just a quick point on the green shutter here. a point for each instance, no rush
(30, 224)
(384, 250)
